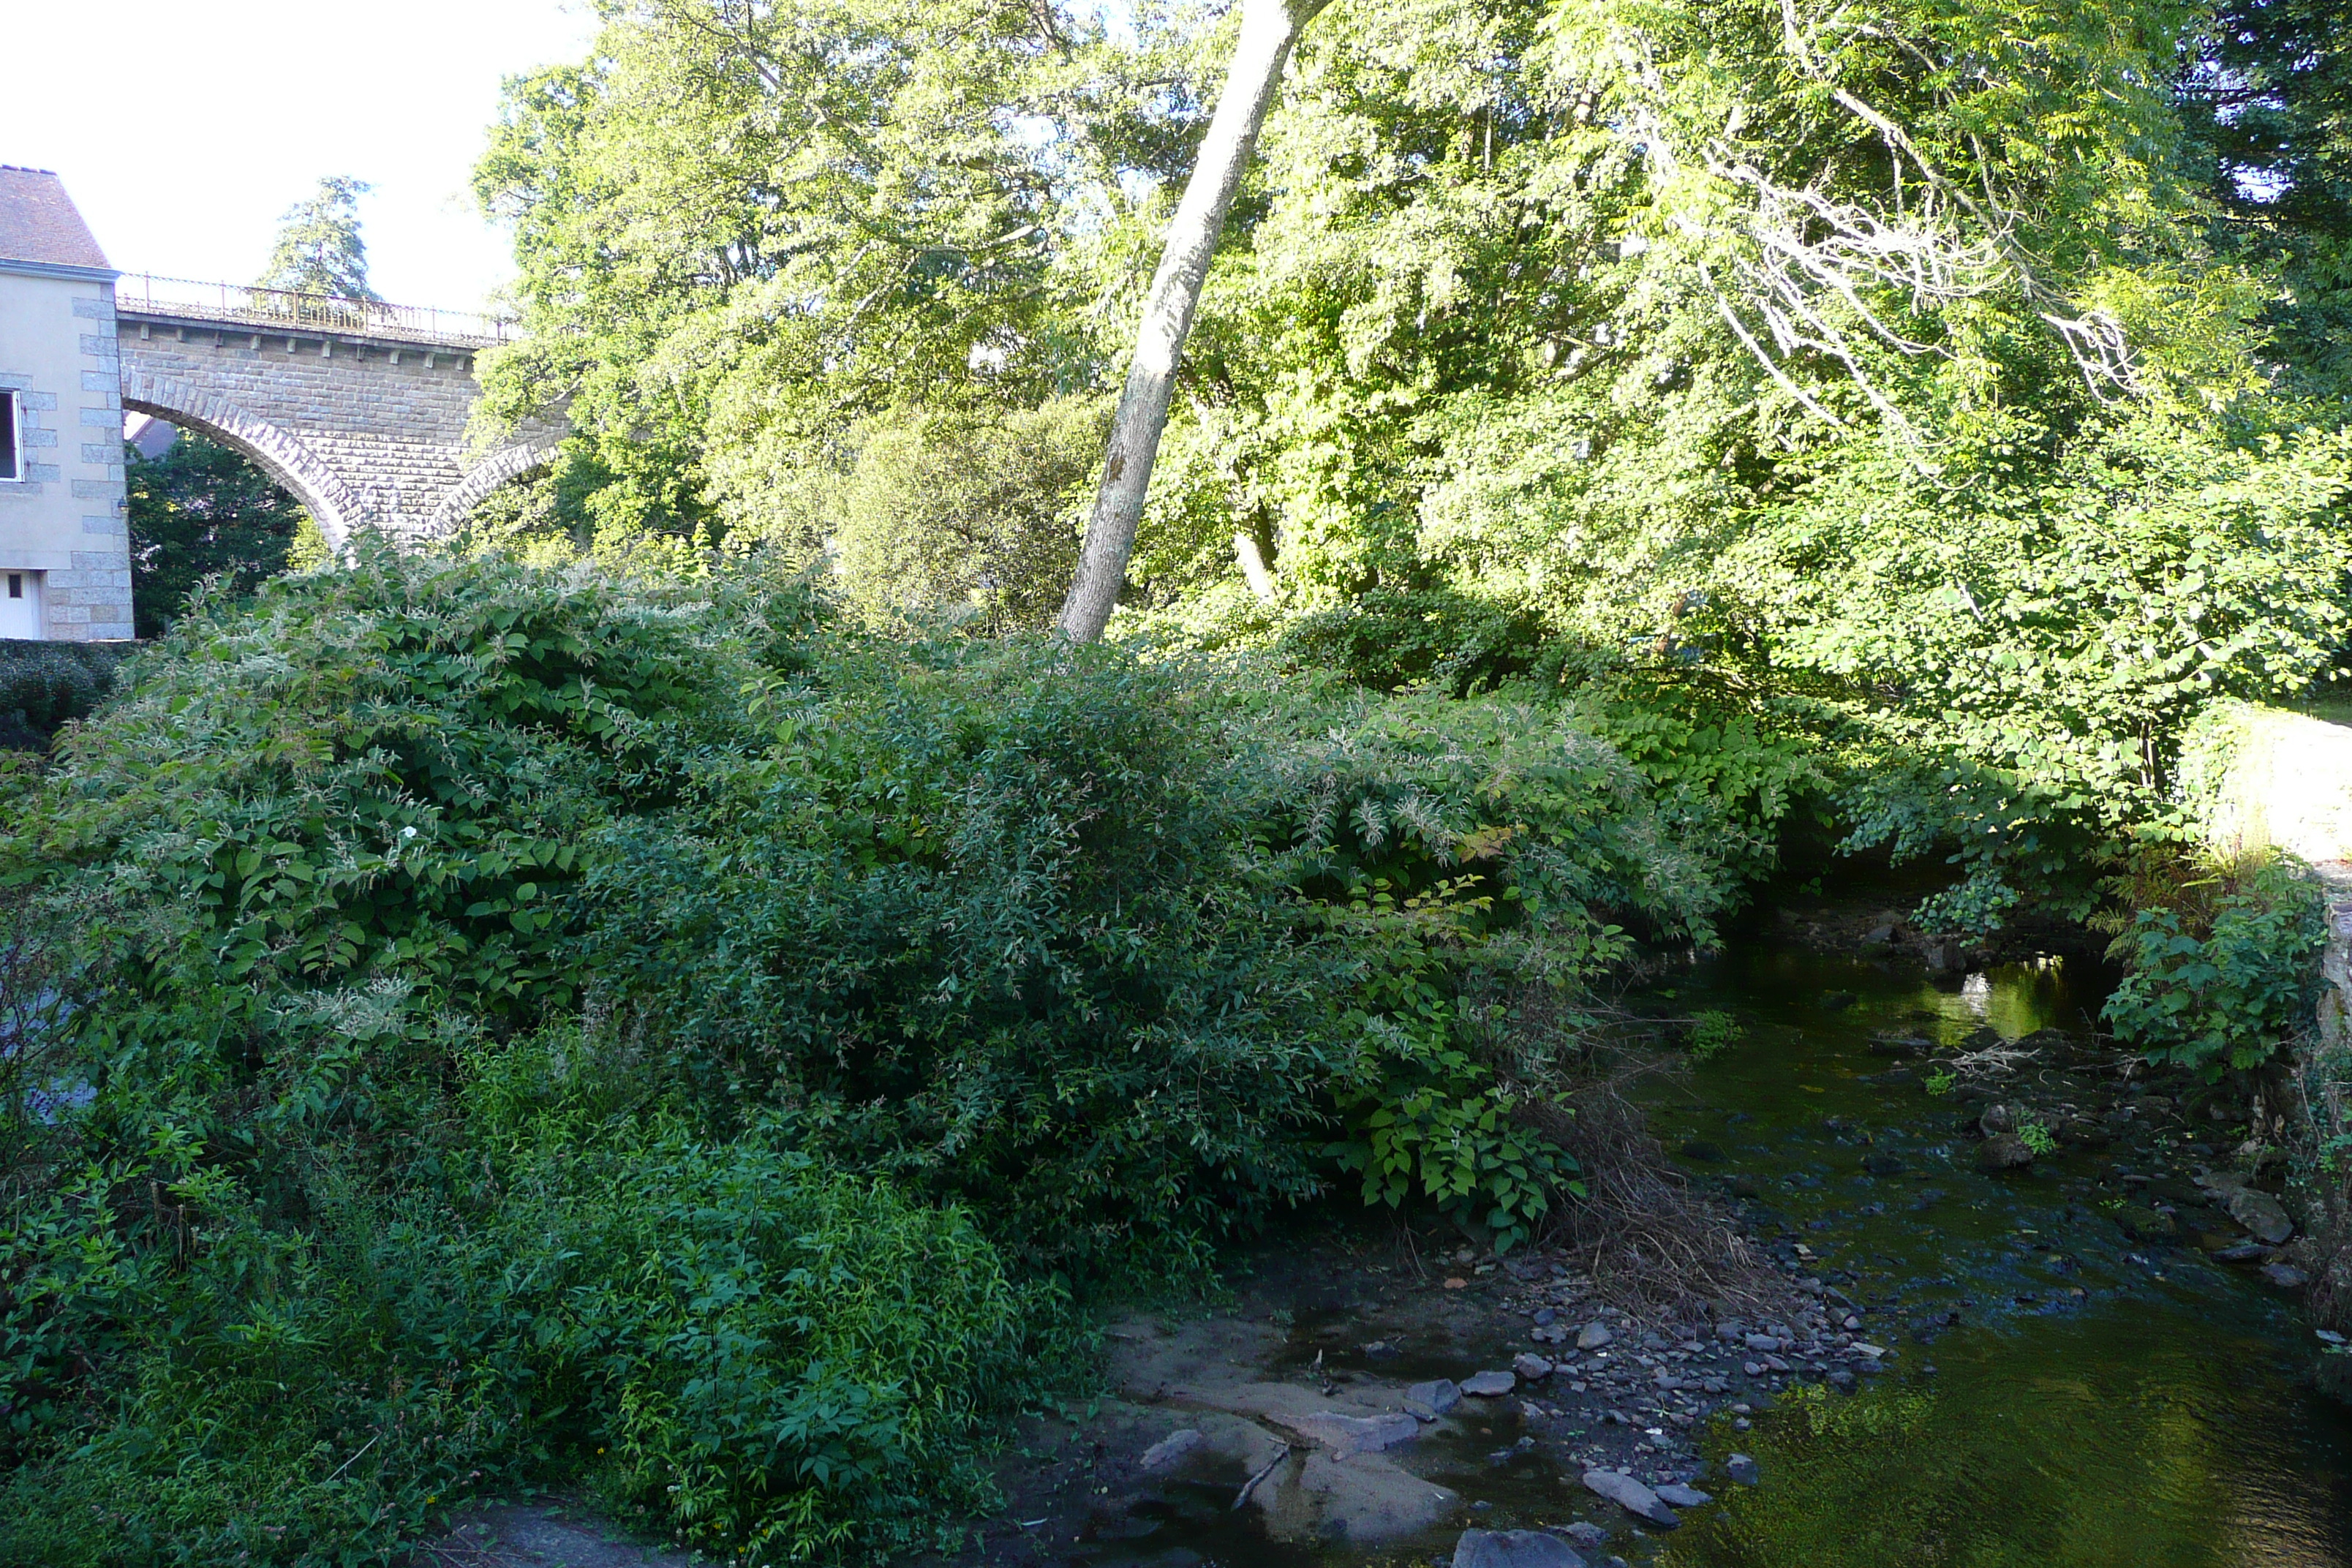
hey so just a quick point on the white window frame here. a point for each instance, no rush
(15, 474)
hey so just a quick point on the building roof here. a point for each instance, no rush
(38, 222)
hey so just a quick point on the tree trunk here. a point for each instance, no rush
(1269, 27)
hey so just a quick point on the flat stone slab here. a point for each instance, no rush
(1345, 1435)
(1680, 1496)
(1531, 1366)
(1514, 1548)
(557, 1534)
(1632, 1496)
(1489, 1385)
(1359, 1498)
(1172, 1449)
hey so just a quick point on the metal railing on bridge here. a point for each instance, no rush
(285, 310)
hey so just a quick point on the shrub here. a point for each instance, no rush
(1389, 639)
(2223, 958)
(1714, 1031)
(44, 684)
(497, 1022)
(730, 1346)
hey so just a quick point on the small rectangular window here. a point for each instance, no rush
(15, 585)
(11, 465)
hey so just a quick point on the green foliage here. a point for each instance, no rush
(1714, 1031)
(2268, 93)
(1428, 1117)
(2221, 959)
(1941, 1082)
(728, 1347)
(970, 514)
(44, 684)
(1388, 639)
(477, 1022)
(197, 512)
(2037, 1138)
(319, 248)
(742, 228)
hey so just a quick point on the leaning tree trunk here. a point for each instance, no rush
(1268, 29)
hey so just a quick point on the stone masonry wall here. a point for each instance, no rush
(90, 602)
(367, 431)
(63, 518)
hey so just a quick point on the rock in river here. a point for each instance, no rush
(1682, 1496)
(1742, 1471)
(1593, 1336)
(1514, 1548)
(1431, 1400)
(2285, 1276)
(1531, 1366)
(2262, 1215)
(2144, 1224)
(1489, 1384)
(2003, 1152)
(1632, 1496)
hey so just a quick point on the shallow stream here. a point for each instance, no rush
(2064, 1393)
(2079, 1376)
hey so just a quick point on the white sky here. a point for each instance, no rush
(185, 128)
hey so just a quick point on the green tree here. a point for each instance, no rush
(970, 512)
(200, 510)
(1269, 29)
(319, 248)
(743, 228)
(2269, 92)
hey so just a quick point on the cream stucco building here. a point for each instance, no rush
(64, 551)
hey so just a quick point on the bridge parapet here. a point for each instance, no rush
(284, 309)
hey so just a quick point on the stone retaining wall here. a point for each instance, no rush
(2266, 778)
(2323, 1077)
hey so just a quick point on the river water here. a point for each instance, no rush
(2062, 1395)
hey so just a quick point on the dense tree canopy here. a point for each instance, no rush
(1962, 374)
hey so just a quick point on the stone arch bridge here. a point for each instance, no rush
(359, 409)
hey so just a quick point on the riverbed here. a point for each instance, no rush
(2078, 1363)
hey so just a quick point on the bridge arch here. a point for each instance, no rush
(329, 500)
(500, 467)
